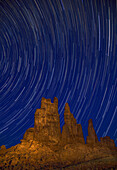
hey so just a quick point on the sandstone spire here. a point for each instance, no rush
(68, 116)
(56, 104)
(92, 137)
(80, 137)
(72, 132)
(47, 123)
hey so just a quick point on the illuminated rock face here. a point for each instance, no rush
(29, 134)
(80, 137)
(72, 132)
(47, 123)
(3, 147)
(106, 141)
(92, 137)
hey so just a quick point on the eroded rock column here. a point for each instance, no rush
(92, 137)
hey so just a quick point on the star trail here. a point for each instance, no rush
(62, 48)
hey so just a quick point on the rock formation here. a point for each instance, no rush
(72, 132)
(47, 124)
(92, 137)
(45, 147)
(3, 147)
(106, 141)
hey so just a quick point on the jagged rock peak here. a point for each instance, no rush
(3, 147)
(90, 122)
(44, 102)
(68, 116)
(72, 132)
(56, 100)
(67, 108)
(106, 141)
(47, 122)
(92, 137)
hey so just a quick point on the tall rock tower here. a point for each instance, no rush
(92, 137)
(72, 132)
(47, 122)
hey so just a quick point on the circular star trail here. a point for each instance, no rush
(62, 48)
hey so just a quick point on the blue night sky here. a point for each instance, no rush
(62, 48)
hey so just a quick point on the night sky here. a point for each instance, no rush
(62, 48)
